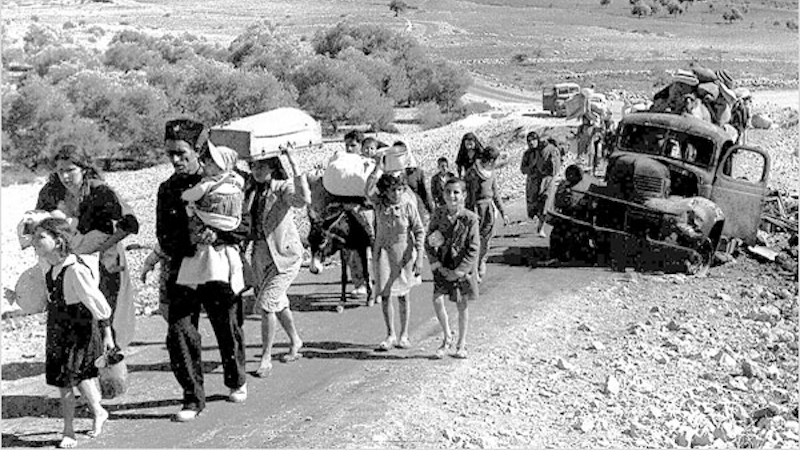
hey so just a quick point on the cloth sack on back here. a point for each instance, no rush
(346, 174)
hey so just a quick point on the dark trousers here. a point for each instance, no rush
(183, 338)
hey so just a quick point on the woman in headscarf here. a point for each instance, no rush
(468, 153)
(540, 163)
(77, 189)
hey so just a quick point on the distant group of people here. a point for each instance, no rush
(209, 212)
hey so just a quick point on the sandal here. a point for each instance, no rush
(461, 353)
(388, 344)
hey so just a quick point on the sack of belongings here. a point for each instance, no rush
(346, 174)
(587, 103)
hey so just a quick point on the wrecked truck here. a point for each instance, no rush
(676, 190)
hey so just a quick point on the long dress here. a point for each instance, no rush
(399, 238)
(541, 165)
(100, 212)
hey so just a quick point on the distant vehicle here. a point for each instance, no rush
(676, 189)
(554, 97)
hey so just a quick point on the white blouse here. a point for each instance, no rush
(82, 285)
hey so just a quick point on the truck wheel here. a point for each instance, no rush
(700, 263)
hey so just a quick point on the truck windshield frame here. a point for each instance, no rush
(668, 143)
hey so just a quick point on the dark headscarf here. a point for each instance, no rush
(462, 159)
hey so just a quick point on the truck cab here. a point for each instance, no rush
(672, 183)
(554, 97)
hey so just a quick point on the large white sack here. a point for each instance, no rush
(346, 174)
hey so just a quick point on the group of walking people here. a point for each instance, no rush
(209, 212)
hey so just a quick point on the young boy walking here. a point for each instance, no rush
(438, 181)
(453, 247)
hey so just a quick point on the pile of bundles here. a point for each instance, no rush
(706, 94)
(588, 104)
(346, 173)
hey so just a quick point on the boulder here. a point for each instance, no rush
(761, 121)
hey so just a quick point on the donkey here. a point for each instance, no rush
(335, 225)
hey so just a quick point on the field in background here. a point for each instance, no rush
(522, 43)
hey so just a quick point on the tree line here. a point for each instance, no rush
(114, 102)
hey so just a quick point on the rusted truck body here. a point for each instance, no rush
(676, 189)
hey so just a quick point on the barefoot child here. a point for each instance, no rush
(453, 247)
(397, 253)
(78, 329)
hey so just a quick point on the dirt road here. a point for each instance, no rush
(339, 383)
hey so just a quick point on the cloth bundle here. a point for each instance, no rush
(346, 174)
(715, 90)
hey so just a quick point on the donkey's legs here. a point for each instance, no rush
(343, 298)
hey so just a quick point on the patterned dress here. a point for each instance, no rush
(399, 238)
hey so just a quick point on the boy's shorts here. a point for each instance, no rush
(462, 290)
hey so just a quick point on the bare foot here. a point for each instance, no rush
(68, 442)
(294, 353)
(264, 369)
(99, 421)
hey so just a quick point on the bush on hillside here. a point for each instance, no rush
(217, 92)
(264, 47)
(53, 55)
(37, 118)
(429, 116)
(389, 80)
(732, 15)
(334, 93)
(369, 39)
(40, 36)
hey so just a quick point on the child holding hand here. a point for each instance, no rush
(78, 328)
(453, 247)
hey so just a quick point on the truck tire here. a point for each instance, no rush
(701, 263)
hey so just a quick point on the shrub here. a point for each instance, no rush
(368, 38)
(440, 82)
(127, 56)
(96, 31)
(397, 7)
(429, 116)
(40, 36)
(38, 118)
(519, 58)
(53, 55)
(217, 92)
(334, 94)
(640, 9)
(732, 15)
(791, 24)
(262, 46)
